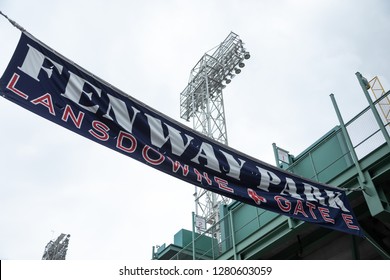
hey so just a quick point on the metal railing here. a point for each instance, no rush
(365, 135)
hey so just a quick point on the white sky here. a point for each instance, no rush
(114, 207)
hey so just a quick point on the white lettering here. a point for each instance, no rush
(313, 194)
(267, 178)
(234, 166)
(290, 189)
(121, 113)
(335, 201)
(206, 151)
(157, 136)
(75, 88)
(33, 63)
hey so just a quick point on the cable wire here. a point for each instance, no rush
(14, 23)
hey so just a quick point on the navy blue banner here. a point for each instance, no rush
(46, 83)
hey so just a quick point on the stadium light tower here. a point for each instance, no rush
(202, 100)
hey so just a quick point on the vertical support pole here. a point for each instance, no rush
(224, 120)
(233, 237)
(208, 114)
(369, 191)
(193, 236)
(224, 228)
(214, 201)
(212, 241)
(154, 253)
(349, 142)
(364, 84)
(276, 154)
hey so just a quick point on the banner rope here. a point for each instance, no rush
(14, 23)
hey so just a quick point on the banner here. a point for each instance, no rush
(48, 84)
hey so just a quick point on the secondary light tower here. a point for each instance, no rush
(202, 100)
(56, 249)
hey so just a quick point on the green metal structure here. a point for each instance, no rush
(355, 156)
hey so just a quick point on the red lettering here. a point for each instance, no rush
(102, 128)
(223, 184)
(299, 209)
(325, 214)
(348, 221)
(205, 176)
(46, 101)
(11, 86)
(126, 136)
(256, 198)
(311, 207)
(146, 156)
(68, 112)
(286, 207)
(176, 165)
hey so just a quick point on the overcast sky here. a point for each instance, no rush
(53, 181)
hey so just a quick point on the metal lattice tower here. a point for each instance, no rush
(202, 100)
(56, 249)
(378, 91)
